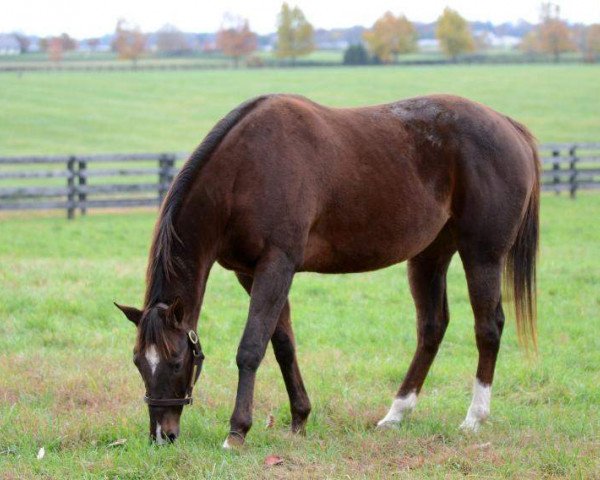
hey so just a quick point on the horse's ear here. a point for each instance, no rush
(131, 313)
(175, 311)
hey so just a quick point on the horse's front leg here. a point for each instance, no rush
(272, 280)
(284, 348)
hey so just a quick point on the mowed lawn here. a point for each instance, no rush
(67, 382)
(171, 111)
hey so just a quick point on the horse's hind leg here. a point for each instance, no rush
(427, 277)
(285, 353)
(484, 275)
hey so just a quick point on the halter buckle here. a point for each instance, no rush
(193, 336)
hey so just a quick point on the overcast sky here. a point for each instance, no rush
(85, 18)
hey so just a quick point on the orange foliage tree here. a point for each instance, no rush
(129, 41)
(235, 39)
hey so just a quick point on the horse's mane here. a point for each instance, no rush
(161, 262)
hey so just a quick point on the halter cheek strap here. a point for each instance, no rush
(197, 359)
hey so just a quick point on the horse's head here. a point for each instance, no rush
(169, 358)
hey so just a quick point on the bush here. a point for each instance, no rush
(356, 55)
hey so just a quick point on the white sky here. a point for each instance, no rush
(86, 18)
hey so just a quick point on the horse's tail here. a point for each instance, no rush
(520, 269)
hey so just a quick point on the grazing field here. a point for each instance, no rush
(47, 113)
(67, 382)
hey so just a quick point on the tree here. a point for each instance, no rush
(356, 55)
(530, 43)
(235, 39)
(295, 35)
(129, 41)
(454, 34)
(24, 42)
(391, 36)
(55, 48)
(170, 39)
(592, 42)
(554, 36)
(68, 42)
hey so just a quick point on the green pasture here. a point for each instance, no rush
(67, 382)
(44, 113)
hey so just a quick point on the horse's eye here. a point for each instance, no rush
(177, 366)
(135, 359)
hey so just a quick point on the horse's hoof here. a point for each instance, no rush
(470, 425)
(387, 424)
(299, 429)
(233, 442)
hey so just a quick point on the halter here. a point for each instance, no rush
(197, 359)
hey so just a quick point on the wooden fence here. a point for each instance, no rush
(80, 182)
(570, 167)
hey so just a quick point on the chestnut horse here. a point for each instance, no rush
(283, 185)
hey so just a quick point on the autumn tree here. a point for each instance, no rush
(454, 34)
(169, 39)
(295, 35)
(553, 34)
(129, 41)
(592, 42)
(530, 43)
(391, 36)
(235, 39)
(55, 49)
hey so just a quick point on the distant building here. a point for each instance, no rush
(503, 41)
(9, 45)
(428, 44)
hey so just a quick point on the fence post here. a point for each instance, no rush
(170, 168)
(82, 183)
(556, 170)
(71, 188)
(161, 178)
(573, 168)
(166, 164)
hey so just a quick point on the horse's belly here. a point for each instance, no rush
(386, 239)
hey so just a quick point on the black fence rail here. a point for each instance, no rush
(79, 182)
(570, 167)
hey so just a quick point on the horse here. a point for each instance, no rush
(283, 185)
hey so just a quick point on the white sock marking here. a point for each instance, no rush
(400, 406)
(226, 444)
(159, 439)
(152, 357)
(479, 410)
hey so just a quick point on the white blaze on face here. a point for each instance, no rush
(479, 410)
(159, 439)
(152, 357)
(400, 407)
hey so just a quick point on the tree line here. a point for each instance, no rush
(390, 37)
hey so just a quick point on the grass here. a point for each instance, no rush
(171, 111)
(67, 382)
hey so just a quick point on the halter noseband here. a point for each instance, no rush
(197, 359)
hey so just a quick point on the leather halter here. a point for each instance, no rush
(197, 359)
